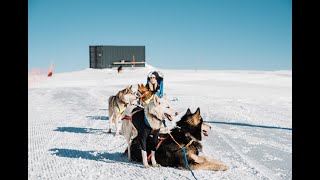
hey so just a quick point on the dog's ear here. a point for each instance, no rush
(156, 99)
(197, 113)
(138, 86)
(188, 112)
(130, 87)
(196, 117)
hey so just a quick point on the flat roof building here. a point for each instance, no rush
(115, 56)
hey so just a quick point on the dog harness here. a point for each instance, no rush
(184, 152)
(159, 143)
(143, 95)
(122, 110)
(147, 122)
(130, 117)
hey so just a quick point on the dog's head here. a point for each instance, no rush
(127, 95)
(193, 124)
(161, 108)
(142, 89)
(143, 92)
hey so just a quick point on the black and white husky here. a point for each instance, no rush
(145, 122)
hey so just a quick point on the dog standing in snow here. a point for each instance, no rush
(118, 104)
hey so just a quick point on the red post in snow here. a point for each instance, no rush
(50, 71)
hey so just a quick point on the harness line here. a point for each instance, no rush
(183, 149)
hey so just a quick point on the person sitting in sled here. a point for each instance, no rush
(154, 85)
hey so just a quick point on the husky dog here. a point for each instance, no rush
(189, 130)
(144, 94)
(118, 104)
(145, 122)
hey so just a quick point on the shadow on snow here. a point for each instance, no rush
(78, 130)
(92, 155)
(98, 117)
(249, 125)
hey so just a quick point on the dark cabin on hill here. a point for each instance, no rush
(116, 56)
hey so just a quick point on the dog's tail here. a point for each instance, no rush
(111, 101)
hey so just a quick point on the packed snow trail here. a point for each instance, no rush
(249, 111)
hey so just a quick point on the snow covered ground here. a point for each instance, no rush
(250, 113)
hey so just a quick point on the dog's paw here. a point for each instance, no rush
(224, 168)
(146, 166)
(156, 165)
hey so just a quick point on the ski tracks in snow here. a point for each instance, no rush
(246, 154)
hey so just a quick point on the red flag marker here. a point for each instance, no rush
(50, 71)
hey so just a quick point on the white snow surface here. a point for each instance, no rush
(250, 113)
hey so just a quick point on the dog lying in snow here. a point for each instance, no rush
(189, 130)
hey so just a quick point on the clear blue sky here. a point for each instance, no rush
(178, 34)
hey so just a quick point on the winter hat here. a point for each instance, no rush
(157, 74)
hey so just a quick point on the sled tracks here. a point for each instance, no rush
(252, 153)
